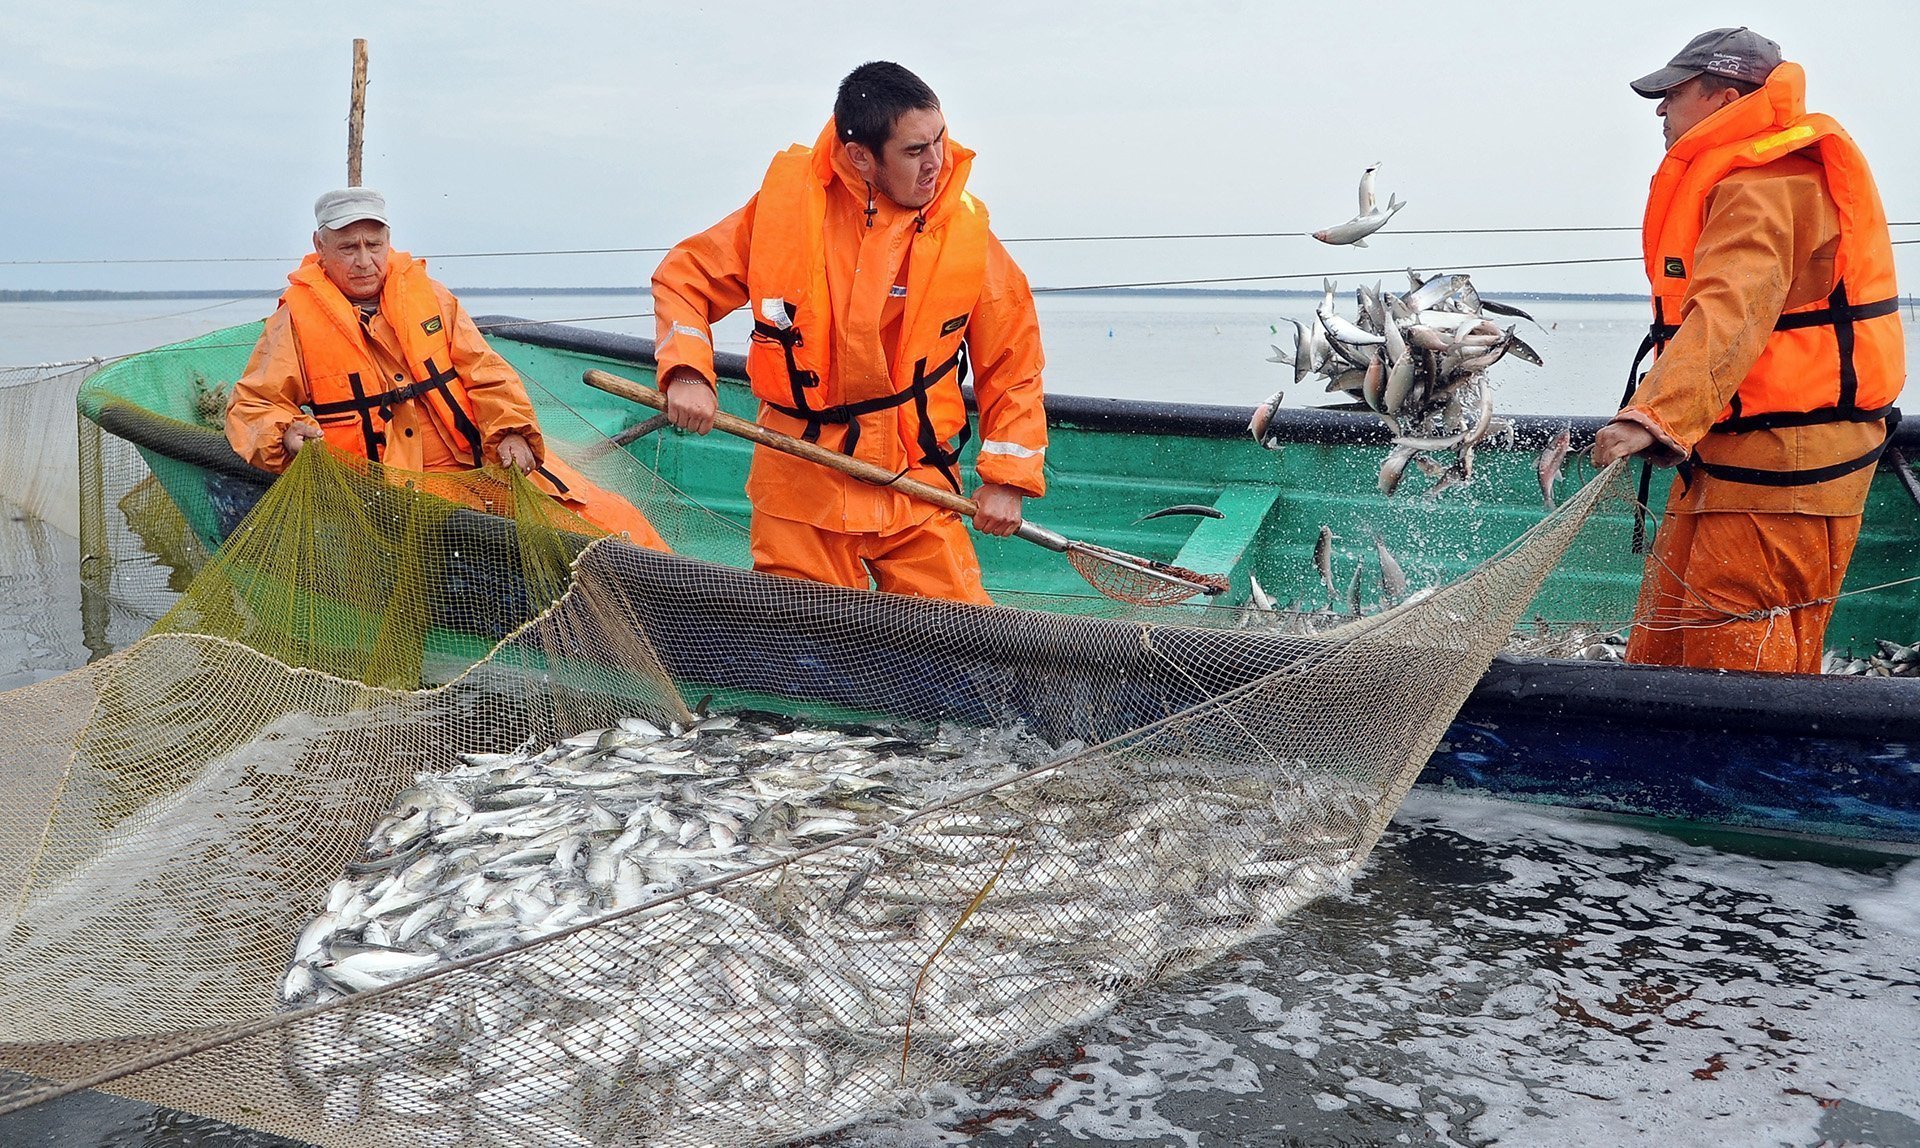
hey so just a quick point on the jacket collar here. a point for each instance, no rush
(309, 274)
(334, 302)
(830, 161)
(1780, 101)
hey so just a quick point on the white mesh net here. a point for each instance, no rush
(397, 830)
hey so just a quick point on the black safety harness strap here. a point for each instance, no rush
(361, 401)
(947, 462)
(1810, 476)
(375, 439)
(551, 477)
(1838, 313)
(365, 404)
(1656, 340)
(800, 381)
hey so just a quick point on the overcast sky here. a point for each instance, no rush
(167, 129)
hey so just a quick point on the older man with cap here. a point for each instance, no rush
(1779, 356)
(370, 354)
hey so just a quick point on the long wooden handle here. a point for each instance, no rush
(812, 452)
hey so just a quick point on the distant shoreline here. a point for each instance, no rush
(90, 296)
(96, 296)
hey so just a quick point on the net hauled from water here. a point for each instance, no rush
(399, 828)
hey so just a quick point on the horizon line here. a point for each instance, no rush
(104, 295)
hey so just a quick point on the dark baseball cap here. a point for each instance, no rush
(1735, 53)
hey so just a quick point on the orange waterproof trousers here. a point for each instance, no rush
(1708, 571)
(932, 560)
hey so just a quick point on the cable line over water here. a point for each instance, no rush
(1144, 237)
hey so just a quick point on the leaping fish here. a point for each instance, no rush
(1372, 216)
(1261, 422)
(1550, 460)
(1323, 560)
(1393, 580)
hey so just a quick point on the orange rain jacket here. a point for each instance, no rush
(1776, 323)
(1780, 353)
(863, 331)
(449, 398)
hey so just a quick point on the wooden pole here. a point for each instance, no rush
(773, 439)
(1151, 569)
(357, 113)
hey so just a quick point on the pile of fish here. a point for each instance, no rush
(1593, 644)
(799, 987)
(1888, 660)
(1584, 641)
(1418, 360)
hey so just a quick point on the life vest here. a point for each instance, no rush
(790, 359)
(1838, 360)
(346, 393)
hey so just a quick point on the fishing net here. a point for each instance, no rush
(59, 476)
(399, 828)
(39, 472)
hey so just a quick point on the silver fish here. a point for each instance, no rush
(1393, 580)
(1340, 330)
(1550, 460)
(1372, 216)
(1373, 386)
(1399, 384)
(1304, 359)
(1262, 419)
(1394, 467)
(1258, 596)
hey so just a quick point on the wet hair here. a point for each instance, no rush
(873, 97)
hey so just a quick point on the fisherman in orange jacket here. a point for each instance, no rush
(369, 353)
(874, 282)
(1780, 354)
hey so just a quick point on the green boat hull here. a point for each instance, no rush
(1836, 757)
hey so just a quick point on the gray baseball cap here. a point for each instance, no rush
(336, 209)
(1735, 53)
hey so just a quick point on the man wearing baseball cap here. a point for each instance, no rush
(1779, 354)
(369, 353)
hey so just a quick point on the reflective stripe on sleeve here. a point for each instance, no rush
(1013, 449)
(683, 329)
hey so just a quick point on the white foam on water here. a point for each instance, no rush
(1520, 975)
